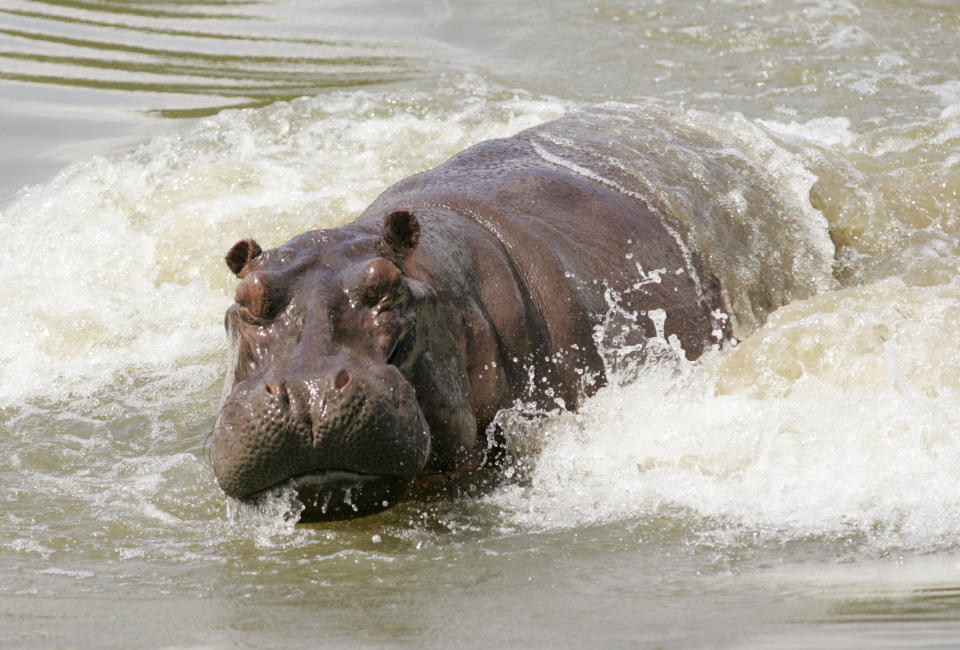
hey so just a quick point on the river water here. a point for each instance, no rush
(798, 490)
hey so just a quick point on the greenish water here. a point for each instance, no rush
(797, 491)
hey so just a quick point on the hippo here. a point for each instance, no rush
(374, 357)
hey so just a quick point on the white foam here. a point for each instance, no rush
(826, 131)
(848, 37)
(947, 92)
(866, 462)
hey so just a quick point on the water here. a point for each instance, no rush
(798, 490)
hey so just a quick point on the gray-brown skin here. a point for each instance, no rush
(370, 357)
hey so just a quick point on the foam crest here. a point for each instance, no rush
(889, 195)
(887, 336)
(879, 465)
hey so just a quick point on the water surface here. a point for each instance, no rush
(799, 490)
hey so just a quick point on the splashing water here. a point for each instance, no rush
(833, 419)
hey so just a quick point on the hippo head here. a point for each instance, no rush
(344, 381)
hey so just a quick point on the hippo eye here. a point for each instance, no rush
(259, 296)
(381, 279)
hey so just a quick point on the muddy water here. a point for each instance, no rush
(799, 490)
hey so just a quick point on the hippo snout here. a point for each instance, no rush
(350, 438)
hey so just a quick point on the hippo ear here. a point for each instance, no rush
(401, 230)
(241, 254)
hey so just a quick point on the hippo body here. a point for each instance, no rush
(370, 357)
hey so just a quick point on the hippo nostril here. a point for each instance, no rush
(342, 379)
(275, 388)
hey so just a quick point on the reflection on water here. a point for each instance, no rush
(196, 48)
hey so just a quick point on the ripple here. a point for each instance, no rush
(217, 61)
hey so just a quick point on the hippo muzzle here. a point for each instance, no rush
(350, 439)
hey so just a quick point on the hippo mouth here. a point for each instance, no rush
(336, 495)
